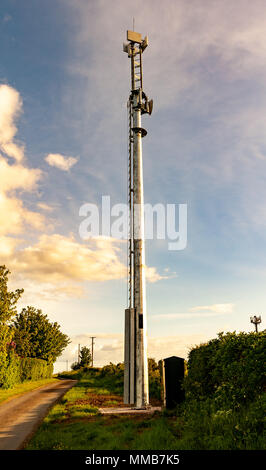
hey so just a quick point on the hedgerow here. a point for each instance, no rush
(229, 369)
(17, 370)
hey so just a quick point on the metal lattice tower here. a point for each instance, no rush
(136, 362)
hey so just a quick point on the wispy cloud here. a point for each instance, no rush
(45, 207)
(152, 275)
(215, 308)
(202, 311)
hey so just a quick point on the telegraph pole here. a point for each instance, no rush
(92, 344)
(136, 389)
(78, 353)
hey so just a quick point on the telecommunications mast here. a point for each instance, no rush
(136, 387)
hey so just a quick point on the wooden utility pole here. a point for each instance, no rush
(92, 344)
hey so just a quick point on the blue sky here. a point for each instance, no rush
(64, 82)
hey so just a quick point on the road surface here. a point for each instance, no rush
(21, 416)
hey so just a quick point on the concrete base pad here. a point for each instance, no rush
(129, 410)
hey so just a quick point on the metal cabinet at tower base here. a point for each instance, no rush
(172, 373)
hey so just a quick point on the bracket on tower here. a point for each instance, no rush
(140, 129)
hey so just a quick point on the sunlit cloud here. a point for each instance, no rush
(15, 217)
(61, 265)
(45, 207)
(60, 161)
(152, 274)
(59, 258)
(14, 175)
(7, 246)
(10, 109)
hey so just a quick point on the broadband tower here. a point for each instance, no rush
(136, 386)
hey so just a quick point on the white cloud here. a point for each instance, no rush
(202, 311)
(45, 293)
(14, 176)
(10, 108)
(58, 266)
(56, 258)
(215, 308)
(60, 161)
(15, 217)
(17, 177)
(152, 274)
(187, 315)
(7, 245)
(45, 207)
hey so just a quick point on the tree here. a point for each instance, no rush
(85, 357)
(8, 301)
(36, 336)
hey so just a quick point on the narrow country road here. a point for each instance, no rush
(21, 416)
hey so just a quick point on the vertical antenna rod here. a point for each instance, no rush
(136, 389)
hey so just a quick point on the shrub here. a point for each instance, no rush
(18, 370)
(113, 369)
(117, 371)
(230, 369)
(34, 369)
(11, 373)
(155, 386)
(206, 428)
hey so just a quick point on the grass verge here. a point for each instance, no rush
(75, 423)
(25, 387)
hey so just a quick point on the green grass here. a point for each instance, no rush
(102, 433)
(20, 389)
(74, 423)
